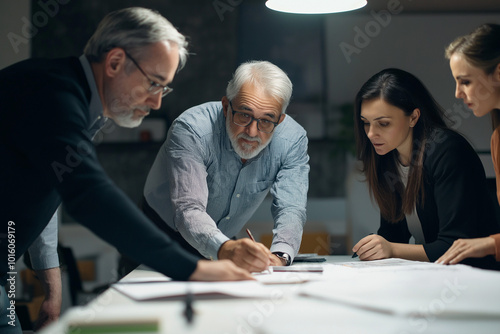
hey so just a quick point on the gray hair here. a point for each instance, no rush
(133, 28)
(265, 74)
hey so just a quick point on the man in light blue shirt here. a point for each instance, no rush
(220, 160)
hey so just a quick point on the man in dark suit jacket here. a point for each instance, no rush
(50, 111)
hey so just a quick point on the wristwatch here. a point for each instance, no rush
(284, 256)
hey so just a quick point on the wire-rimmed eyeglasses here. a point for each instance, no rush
(155, 87)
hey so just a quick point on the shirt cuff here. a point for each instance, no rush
(43, 263)
(214, 244)
(43, 251)
(284, 248)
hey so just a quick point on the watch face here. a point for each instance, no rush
(283, 256)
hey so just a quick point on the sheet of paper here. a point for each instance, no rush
(298, 268)
(174, 289)
(287, 277)
(447, 291)
(145, 279)
(388, 263)
(144, 276)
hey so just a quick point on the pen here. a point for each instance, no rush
(355, 254)
(253, 239)
(250, 235)
(188, 311)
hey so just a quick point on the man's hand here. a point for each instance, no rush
(247, 254)
(465, 248)
(51, 305)
(373, 247)
(223, 270)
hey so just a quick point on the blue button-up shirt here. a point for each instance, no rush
(200, 187)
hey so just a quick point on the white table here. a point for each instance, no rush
(295, 313)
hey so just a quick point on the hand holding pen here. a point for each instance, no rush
(275, 261)
(372, 247)
(246, 253)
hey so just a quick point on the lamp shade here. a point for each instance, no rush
(315, 6)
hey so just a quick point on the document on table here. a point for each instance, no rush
(287, 277)
(422, 289)
(298, 269)
(389, 264)
(144, 276)
(175, 290)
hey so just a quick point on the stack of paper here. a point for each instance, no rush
(449, 290)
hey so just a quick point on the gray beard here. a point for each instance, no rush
(244, 154)
(125, 120)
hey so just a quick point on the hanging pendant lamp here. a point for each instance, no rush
(315, 6)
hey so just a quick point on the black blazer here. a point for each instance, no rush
(456, 199)
(48, 157)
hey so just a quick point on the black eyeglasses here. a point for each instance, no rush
(243, 119)
(155, 87)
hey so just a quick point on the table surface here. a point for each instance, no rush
(294, 313)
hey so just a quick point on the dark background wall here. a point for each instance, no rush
(222, 34)
(212, 43)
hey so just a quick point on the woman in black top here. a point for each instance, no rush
(426, 179)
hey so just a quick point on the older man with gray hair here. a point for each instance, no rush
(218, 163)
(50, 111)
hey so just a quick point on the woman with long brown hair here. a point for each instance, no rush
(427, 180)
(475, 64)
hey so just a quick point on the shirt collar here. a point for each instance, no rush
(97, 118)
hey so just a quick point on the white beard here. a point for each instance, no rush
(122, 113)
(245, 151)
(125, 119)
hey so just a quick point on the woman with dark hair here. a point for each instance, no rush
(427, 180)
(475, 64)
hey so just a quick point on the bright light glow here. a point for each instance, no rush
(315, 6)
